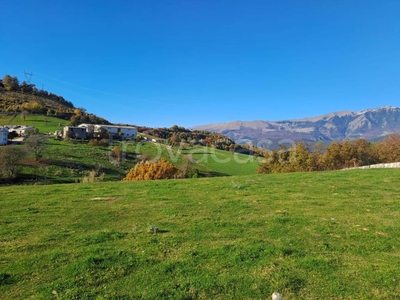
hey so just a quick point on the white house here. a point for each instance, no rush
(22, 130)
(3, 135)
(124, 131)
(118, 130)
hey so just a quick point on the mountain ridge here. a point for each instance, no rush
(371, 124)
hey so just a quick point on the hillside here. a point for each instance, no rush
(34, 101)
(73, 161)
(24, 98)
(45, 124)
(326, 235)
(370, 124)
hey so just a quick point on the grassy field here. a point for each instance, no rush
(209, 161)
(70, 161)
(327, 235)
(224, 162)
(39, 121)
(66, 162)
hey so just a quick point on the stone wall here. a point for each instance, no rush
(379, 166)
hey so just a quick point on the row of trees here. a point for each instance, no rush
(177, 134)
(338, 155)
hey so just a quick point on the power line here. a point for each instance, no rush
(28, 76)
(112, 94)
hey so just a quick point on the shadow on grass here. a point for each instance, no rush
(212, 174)
(6, 278)
(69, 165)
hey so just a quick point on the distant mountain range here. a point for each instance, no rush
(371, 124)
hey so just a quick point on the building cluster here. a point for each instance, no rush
(15, 130)
(84, 131)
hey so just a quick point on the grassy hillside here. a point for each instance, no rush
(13, 101)
(45, 124)
(326, 235)
(70, 161)
(209, 161)
(222, 162)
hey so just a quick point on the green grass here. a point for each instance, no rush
(327, 235)
(39, 121)
(70, 161)
(222, 162)
(209, 161)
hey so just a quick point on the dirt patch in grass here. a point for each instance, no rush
(105, 198)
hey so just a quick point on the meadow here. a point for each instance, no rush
(224, 163)
(208, 161)
(71, 161)
(322, 235)
(45, 124)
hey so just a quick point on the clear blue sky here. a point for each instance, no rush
(160, 63)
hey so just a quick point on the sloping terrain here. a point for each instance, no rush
(323, 235)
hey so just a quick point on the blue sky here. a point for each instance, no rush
(160, 63)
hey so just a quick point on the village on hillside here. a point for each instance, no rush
(16, 133)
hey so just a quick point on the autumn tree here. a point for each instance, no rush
(26, 87)
(78, 112)
(299, 158)
(272, 163)
(364, 153)
(175, 138)
(24, 113)
(333, 157)
(35, 144)
(10, 83)
(74, 120)
(117, 154)
(315, 157)
(10, 158)
(146, 170)
(389, 149)
(187, 170)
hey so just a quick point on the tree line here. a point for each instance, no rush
(178, 134)
(303, 157)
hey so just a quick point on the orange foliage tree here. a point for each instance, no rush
(146, 170)
(389, 149)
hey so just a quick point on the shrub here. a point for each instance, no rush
(117, 153)
(93, 176)
(100, 143)
(161, 169)
(153, 229)
(93, 142)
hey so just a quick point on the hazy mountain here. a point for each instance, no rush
(370, 124)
